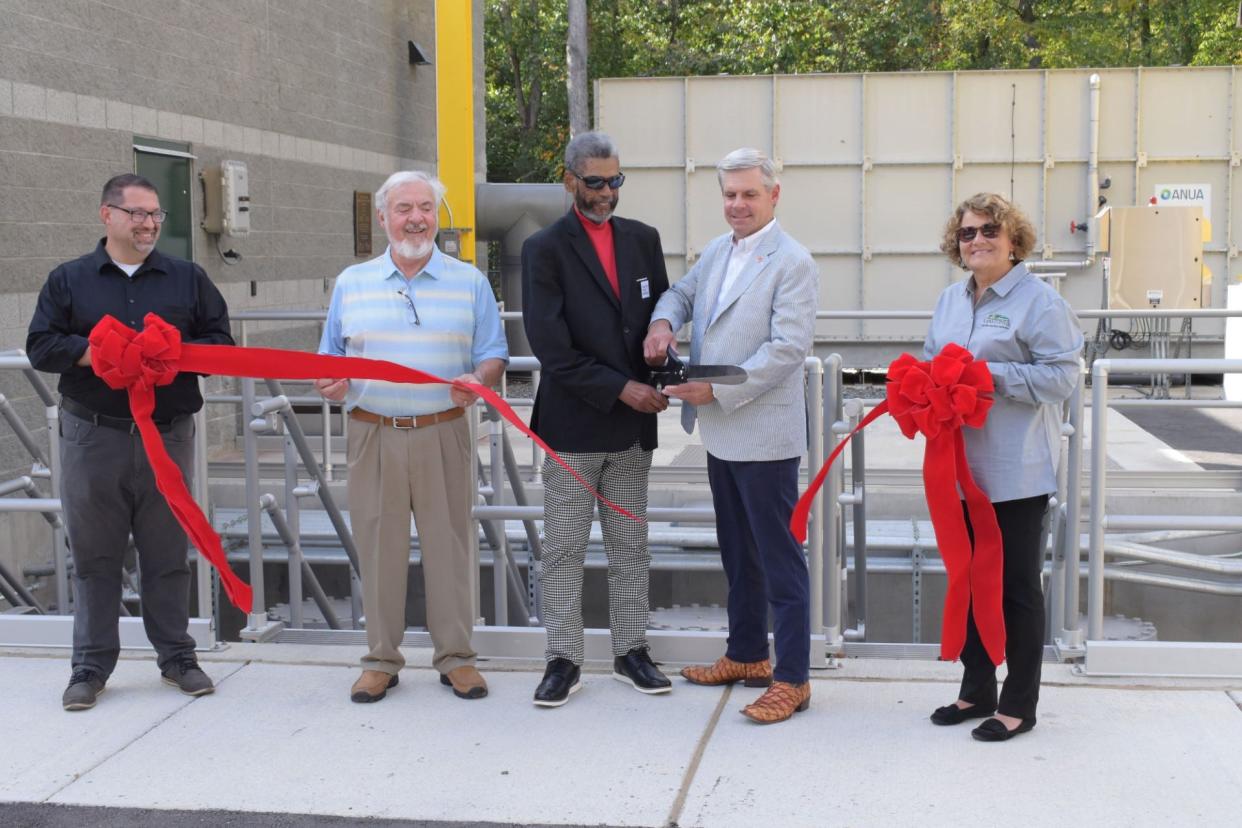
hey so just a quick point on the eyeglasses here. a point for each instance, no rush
(409, 300)
(139, 216)
(597, 182)
(967, 234)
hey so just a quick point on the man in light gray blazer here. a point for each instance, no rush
(752, 297)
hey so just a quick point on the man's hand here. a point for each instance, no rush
(464, 397)
(332, 389)
(660, 338)
(643, 398)
(695, 393)
(85, 359)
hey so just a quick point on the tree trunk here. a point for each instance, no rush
(1144, 34)
(576, 65)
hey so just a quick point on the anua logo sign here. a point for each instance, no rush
(1187, 195)
(1167, 195)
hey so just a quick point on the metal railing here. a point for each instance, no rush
(46, 466)
(830, 416)
(1101, 519)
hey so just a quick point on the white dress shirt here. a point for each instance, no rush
(739, 255)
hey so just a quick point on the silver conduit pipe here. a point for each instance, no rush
(1093, 189)
(1093, 169)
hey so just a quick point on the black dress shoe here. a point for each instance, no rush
(951, 714)
(994, 730)
(636, 669)
(561, 678)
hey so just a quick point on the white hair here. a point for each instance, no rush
(748, 158)
(403, 177)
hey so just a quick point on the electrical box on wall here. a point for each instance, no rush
(226, 199)
(1156, 256)
(450, 242)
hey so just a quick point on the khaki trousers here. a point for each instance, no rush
(428, 471)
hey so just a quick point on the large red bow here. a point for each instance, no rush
(138, 362)
(937, 399)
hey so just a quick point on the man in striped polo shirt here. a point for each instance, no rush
(409, 445)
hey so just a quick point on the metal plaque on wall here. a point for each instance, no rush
(362, 223)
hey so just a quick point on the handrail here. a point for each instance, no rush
(1081, 313)
(46, 465)
(1100, 518)
(826, 547)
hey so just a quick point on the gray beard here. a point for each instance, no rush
(596, 217)
(410, 250)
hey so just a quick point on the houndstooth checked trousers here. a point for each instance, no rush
(621, 477)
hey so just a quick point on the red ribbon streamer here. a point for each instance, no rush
(937, 399)
(139, 362)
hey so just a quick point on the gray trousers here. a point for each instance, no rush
(620, 476)
(108, 492)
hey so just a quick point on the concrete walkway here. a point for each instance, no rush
(279, 738)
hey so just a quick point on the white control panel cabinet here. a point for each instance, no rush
(226, 199)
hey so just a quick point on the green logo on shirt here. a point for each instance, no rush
(996, 320)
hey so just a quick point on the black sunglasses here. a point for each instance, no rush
(967, 234)
(597, 182)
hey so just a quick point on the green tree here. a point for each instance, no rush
(526, 107)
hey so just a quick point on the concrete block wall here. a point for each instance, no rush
(317, 97)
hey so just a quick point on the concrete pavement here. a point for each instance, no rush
(280, 738)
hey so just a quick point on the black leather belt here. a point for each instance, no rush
(119, 423)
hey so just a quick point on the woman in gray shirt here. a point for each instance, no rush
(1031, 341)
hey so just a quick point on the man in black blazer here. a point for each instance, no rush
(589, 284)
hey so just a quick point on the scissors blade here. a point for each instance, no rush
(719, 374)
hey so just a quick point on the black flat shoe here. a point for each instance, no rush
(951, 714)
(636, 669)
(994, 730)
(561, 678)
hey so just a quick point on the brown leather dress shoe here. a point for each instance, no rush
(780, 702)
(372, 686)
(727, 671)
(467, 682)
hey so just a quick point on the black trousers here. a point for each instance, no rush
(1020, 522)
(108, 492)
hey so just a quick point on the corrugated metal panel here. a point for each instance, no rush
(872, 165)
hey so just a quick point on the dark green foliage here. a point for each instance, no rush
(525, 48)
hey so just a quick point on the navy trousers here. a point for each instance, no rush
(764, 564)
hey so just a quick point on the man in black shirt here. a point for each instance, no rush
(109, 489)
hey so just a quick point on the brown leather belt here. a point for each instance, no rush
(420, 421)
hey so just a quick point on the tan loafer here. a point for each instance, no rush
(727, 671)
(467, 682)
(779, 703)
(372, 686)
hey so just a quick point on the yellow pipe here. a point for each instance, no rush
(455, 116)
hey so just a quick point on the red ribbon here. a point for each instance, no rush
(937, 399)
(139, 362)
